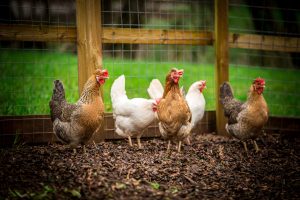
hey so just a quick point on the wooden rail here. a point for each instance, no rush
(264, 42)
(109, 35)
(149, 36)
(14, 32)
(156, 36)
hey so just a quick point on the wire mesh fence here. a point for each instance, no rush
(278, 67)
(142, 62)
(30, 67)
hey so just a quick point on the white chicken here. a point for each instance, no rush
(196, 101)
(194, 98)
(132, 116)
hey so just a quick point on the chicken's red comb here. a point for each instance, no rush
(259, 80)
(104, 72)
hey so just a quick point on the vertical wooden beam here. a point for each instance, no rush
(89, 44)
(221, 65)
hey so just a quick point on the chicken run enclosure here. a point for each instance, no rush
(221, 40)
(42, 42)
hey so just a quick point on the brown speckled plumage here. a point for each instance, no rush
(173, 112)
(75, 124)
(245, 120)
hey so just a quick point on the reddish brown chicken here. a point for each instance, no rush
(75, 124)
(173, 111)
(245, 120)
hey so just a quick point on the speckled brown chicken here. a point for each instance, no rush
(75, 124)
(245, 120)
(173, 111)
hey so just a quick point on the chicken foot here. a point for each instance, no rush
(73, 147)
(83, 147)
(254, 144)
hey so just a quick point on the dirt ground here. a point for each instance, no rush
(211, 167)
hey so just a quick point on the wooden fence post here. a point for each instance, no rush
(221, 65)
(89, 44)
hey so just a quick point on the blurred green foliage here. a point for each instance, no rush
(27, 81)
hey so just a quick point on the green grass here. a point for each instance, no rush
(27, 81)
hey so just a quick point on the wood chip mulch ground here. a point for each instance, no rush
(212, 167)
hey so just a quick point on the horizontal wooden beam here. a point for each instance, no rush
(156, 36)
(37, 33)
(264, 42)
(110, 35)
(149, 36)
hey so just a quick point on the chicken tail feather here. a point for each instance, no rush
(118, 89)
(155, 89)
(58, 97)
(225, 91)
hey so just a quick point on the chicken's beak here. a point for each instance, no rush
(180, 72)
(202, 86)
(204, 83)
(101, 78)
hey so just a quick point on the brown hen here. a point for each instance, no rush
(245, 120)
(75, 124)
(173, 111)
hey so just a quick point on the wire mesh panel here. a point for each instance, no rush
(155, 56)
(148, 38)
(29, 67)
(266, 34)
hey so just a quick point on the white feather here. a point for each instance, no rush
(155, 89)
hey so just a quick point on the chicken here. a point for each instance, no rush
(173, 111)
(132, 116)
(194, 98)
(75, 124)
(196, 101)
(245, 120)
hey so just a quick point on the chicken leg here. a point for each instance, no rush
(245, 146)
(129, 140)
(139, 142)
(179, 146)
(84, 149)
(256, 146)
(169, 144)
